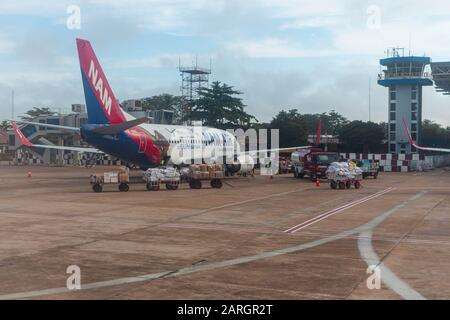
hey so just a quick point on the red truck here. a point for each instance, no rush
(312, 162)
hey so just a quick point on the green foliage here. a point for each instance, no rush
(5, 125)
(434, 135)
(292, 126)
(219, 107)
(362, 136)
(332, 122)
(166, 102)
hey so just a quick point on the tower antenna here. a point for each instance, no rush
(370, 99)
(12, 104)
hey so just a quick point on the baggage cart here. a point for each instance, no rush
(120, 178)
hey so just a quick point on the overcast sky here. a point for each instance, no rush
(283, 54)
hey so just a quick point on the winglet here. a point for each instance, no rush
(409, 133)
(21, 136)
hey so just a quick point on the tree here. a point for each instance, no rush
(5, 125)
(332, 122)
(359, 136)
(292, 126)
(165, 101)
(219, 107)
(335, 122)
(36, 112)
(434, 135)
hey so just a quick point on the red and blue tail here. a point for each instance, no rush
(102, 106)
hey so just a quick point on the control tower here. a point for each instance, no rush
(404, 76)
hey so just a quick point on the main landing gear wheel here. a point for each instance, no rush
(357, 184)
(342, 185)
(333, 185)
(348, 184)
(123, 187)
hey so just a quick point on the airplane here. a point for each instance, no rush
(420, 147)
(111, 130)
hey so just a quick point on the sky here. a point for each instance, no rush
(314, 56)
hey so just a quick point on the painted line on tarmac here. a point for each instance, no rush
(369, 255)
(405, 291)
(330, 213)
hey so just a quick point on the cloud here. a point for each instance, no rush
(275, 48)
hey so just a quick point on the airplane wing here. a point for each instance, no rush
(419, 147)
(104, 130)
(27, 143)
(291, 149)
(53, 126)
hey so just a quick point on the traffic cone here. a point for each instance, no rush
(318, 182)
(29, 174)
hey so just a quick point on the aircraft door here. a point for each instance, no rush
(142, 143)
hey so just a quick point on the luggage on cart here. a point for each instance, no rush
(205, 172)
(156, 176)
(120, 177)
(343, 175)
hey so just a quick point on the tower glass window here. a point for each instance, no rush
(413, 127)
(414, 92)
(393, 95)
(414, 106)
(413, 116)
(392, 127)
(393, 106)
(393, 117)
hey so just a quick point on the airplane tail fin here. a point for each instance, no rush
(319, 131)
(101, 104)
(21, 136)
(409, 134)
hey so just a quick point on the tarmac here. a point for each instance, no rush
(256, 238)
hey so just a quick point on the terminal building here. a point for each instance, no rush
(404, 76)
